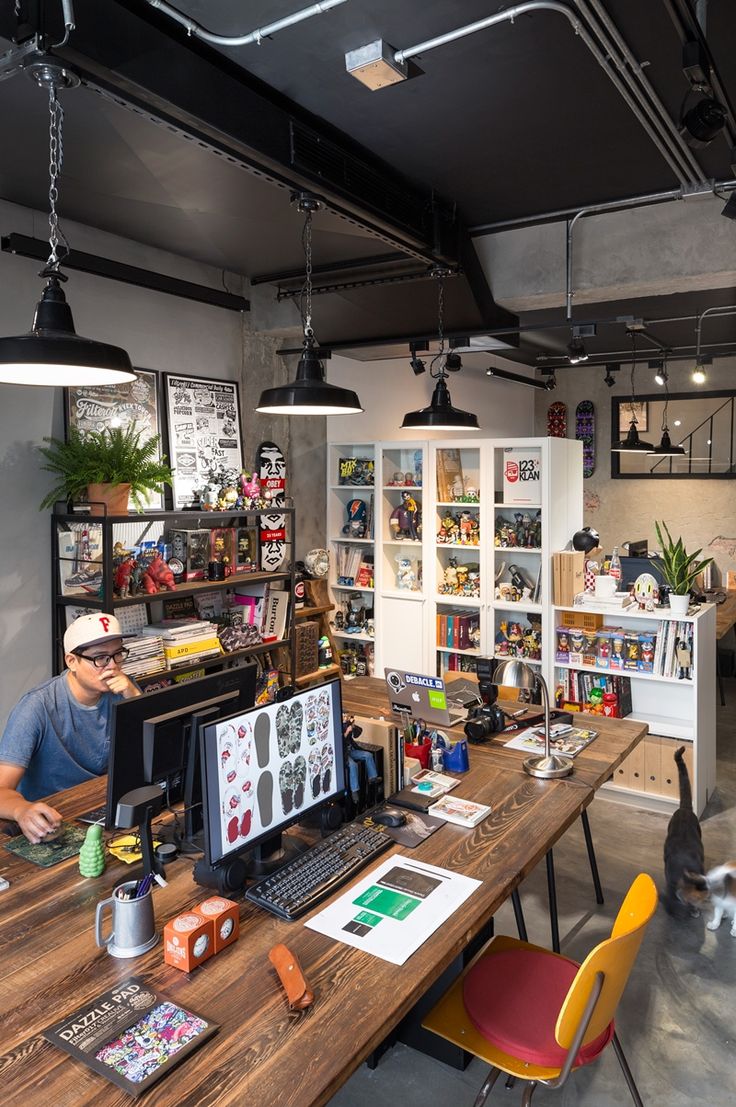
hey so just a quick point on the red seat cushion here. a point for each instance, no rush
(513, 999)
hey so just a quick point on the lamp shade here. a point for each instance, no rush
(515, 674)
(52, 353)
(665, 447)
(309, 393)
(440, 415)
(632, 444)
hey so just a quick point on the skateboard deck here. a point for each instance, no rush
(271, 470)
(585, 433)
(557, 420)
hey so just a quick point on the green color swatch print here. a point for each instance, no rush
(395, 905)
(437, 700)
(367, 918)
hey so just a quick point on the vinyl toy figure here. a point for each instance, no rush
(684, 659)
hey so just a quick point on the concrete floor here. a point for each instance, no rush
(677, 1019)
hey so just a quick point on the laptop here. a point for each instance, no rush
(421, 697)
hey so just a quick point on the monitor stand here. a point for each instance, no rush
(274, 852)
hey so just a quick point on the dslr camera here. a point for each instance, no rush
(486, 718)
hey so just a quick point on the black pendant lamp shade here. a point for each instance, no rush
(52, 353)
(632, 444)
(440, 415)
(310, 393)
(665, 447)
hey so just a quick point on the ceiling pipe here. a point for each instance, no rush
(516, 378)
(658, 129)
(725, 309)
(198, 31)
(675, 353)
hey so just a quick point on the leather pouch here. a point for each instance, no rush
(286, 963)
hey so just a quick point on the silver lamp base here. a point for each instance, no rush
(549, 767)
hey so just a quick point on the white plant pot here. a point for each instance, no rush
(679, 604)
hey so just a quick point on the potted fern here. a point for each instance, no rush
(679, 568)
(109, 467)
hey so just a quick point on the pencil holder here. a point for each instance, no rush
(133, 926)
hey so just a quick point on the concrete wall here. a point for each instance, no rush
(160, 332)
(702, 511)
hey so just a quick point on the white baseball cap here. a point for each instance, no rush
(90, 629)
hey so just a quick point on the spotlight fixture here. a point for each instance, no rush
(609, 378)
(576, 352)
(660, 375)
(703, 122)
(632, 444)
(52, 353)
(551, 381)
(665, 447)
(416, 363)
(453, 362)
(730, 208)
(441, 415)
(309, 393)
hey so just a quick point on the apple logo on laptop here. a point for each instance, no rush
(416, 697)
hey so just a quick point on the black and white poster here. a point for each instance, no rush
(204, 432)
(95, 407)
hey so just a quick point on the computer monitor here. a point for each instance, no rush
(155, 738)
(264, 769)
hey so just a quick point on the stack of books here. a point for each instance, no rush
(617, 602)
(146, 655)
(186, 641)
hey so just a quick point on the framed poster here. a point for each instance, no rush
(94, 407)
(204, 431)
(640, 409)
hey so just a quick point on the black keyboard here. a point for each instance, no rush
(302, 883)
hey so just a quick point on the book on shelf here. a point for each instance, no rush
(275, 611)
(455, 628)
(569, 740)
(461, 811)
(132, 1034)
(196, 648)
(379, 732)
(617, 602)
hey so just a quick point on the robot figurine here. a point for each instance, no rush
(684, 659)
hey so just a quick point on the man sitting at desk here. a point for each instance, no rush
(58, 734)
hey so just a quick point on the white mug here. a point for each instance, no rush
(605, 587)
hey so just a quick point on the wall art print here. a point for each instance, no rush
(204, 431)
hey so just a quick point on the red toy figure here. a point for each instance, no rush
(122, 577)
(157, 576)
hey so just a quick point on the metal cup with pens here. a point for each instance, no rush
(133, 926)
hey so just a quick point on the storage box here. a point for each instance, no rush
(223, 548)
(192, 548)
(189, 939)
(603, 649)
(307, 637)
(586, 620)
(632, 650)
(568, 573)
(225, 916)
(246, 549)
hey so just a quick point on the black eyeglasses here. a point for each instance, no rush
(102, 660)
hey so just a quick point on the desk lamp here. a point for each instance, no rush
(517, 674)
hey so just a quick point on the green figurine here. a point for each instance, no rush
(92, 853)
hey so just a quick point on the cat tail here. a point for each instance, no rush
(686, 795)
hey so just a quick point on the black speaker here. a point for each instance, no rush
(331, 818)
(226, 878)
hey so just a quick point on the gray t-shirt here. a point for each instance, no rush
(57, 740)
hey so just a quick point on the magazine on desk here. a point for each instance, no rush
(461, 811)
(562, 739)
(132, 1035)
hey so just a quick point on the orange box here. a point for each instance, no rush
(586, 620)
(189, 939)
(225, 916)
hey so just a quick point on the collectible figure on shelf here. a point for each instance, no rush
(405, 520)
(406, 577)
(617, 650)
(157, 576)
(354, 613)
(397, 479)
(474, 636)
(250, 490)
(471, 495)
(457, 489)
(684, 659)
(449, 581)
(450, 528)
(646, 592)
(123, 573)
(357, 523)
(409, 480)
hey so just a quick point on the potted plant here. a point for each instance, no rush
(679, 568)
(108, 467)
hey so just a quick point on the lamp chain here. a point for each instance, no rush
(436, 370)
(57, 238)
(632, 402)
(307, 287)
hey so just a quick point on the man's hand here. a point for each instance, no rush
(38, 821)
(119, 683)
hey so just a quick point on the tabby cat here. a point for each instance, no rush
(684, 857)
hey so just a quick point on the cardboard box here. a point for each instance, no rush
(568, 571)
(192, 548)
(586, 620)
(225, 916)
(189, 939)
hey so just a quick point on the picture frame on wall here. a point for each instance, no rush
(640, 410)
(95, 407)
(204, 431)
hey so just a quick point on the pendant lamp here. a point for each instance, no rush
(309, 393)
(52, 353)
(665, 447)
(441, 415)
(632, 444)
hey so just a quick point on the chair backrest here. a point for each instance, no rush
(614, 958)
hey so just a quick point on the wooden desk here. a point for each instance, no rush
(725, 615)
(262, 1056)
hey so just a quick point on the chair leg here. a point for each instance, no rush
(591, 858)
(519, 915)
(484, 1092)
(510, 1081)
(552, 893)
(528, 1093)
(627, 1072)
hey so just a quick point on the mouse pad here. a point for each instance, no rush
(416, 828)
(46, 854)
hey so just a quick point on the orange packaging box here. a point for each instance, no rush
(225, 916)
(189, 939)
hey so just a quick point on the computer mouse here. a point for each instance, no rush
(389, 817)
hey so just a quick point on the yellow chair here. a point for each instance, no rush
(537, 1015)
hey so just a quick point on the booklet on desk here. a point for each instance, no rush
(563, 739)
(461, 811)
(132, 1035)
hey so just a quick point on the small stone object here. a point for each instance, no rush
(92, 853)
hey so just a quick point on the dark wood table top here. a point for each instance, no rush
(725, 615)
(262, 1054)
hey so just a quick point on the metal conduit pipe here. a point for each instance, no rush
(638, 74)
(680, 169)
(724, 309)
(625, 202)
(198, 31)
